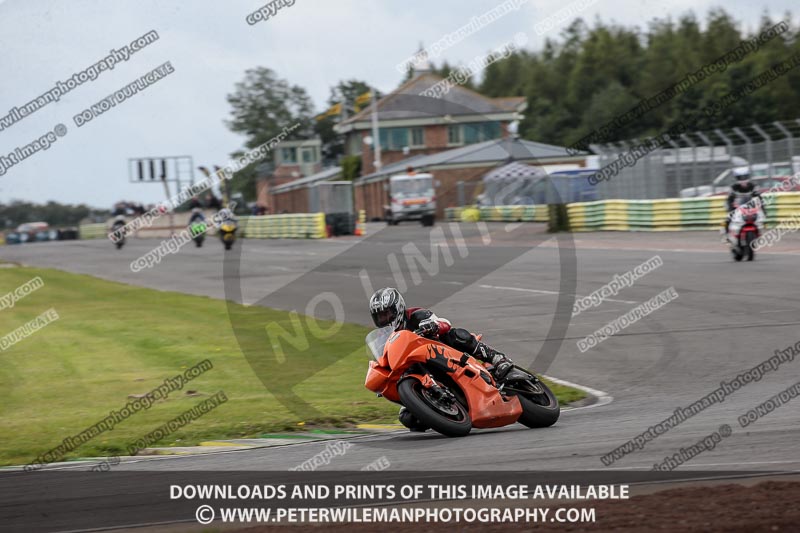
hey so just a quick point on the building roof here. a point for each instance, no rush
(406, 103)
(511, 103)
(400, 166)
(487, 153)
(514, 170)
(288, 143)
(324, 175)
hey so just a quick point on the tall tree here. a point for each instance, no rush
(588, 75)
(18, 212)
(345, 92)
(262, 106)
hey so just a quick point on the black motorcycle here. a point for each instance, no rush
(118, 233)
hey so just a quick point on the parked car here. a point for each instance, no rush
(47, 235)
(722, 183)
(29, 231)
(770, 184)
(68, 234)
(13, 238)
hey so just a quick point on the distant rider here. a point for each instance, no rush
(743, 192)
(116, 227)
(197, 216)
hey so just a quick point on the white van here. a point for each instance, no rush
(411, 197)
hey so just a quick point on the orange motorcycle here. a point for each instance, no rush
(451, 392)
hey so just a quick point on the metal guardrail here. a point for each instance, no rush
(695, 159)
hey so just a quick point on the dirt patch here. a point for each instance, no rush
(768, 506)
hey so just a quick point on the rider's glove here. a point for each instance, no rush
(428, 328)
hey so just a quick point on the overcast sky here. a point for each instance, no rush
(313, 43)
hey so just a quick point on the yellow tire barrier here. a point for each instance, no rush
(288, 226)
(498, 213)
(673, 214)
(470, 214)
(361, 225)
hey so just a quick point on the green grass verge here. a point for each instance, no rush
(114, 340)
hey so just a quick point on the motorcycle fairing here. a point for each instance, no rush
(487, 406)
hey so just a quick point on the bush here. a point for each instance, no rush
(351, 167)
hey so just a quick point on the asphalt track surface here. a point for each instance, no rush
(727, 318)
(516, 284)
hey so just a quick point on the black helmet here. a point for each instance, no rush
(387, 307)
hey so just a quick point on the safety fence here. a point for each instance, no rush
(501, 213)
(671, 214)
(687, 165)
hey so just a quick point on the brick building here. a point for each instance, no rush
(293, 196)
(412, 125)
(291, 160)
(458, 172)
(458, 137)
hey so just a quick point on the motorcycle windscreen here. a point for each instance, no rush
(376, 341)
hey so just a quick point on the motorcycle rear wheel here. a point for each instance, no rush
(749, 238)
(413, 396)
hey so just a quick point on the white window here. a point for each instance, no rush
(455, 134)
(417, 137)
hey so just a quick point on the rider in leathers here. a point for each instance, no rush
(742, 192)
(387, 307)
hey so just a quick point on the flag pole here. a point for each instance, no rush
(376, 140)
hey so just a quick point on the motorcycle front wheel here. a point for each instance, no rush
(540, 407)
(450, 419)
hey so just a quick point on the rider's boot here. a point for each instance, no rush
(410, 421)
(502, 364)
